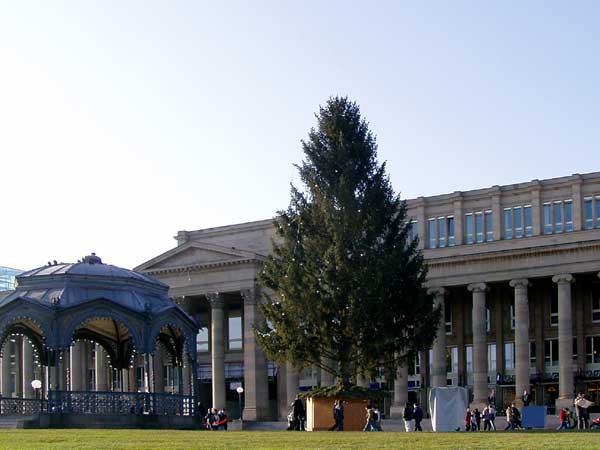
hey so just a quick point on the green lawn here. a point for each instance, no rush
(152, 439)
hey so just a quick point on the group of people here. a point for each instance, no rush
(581, 419)
(474, 418)
(513, 418)
(373, 416)
(412, 416)
(216, 420)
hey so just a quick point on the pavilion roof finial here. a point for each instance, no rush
(92, 259)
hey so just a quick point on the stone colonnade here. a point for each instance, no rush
(255, 377)
(563, 284)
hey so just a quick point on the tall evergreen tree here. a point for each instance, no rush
(345, 281)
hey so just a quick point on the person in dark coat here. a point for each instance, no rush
(418, 416)
(338, 415)
(299, 414)
(526, 398)
(477, 415)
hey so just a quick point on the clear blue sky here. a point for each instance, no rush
(124, 122)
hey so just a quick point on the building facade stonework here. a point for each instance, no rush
(514, 268)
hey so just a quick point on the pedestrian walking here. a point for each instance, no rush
(369, 426)
(468, 420)
(338, 415)
(409, 418)
(299, 413)
(418, 416)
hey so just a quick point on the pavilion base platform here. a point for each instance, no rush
(98, 421)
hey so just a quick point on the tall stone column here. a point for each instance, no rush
(400, 392)
(100, 367)
(217, 340)
(256, 388)
(77, 376)
(521, 338)
(28, 374)
(565, 340)
(6, 370)
(480, 370)
(292, 383)
(438, 370)
(124, 380)
(158, 369)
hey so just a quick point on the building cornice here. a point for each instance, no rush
(204, 266)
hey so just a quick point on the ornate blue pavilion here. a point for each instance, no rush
(98, 340)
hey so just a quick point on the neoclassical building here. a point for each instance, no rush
(515, 269)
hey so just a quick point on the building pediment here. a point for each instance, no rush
(197, 254)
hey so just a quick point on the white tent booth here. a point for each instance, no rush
(447, 406)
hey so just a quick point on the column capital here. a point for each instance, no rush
(520, 283)
(215, 299)
(442, 291)
(563, 278)
(477, 287)
(251, 295)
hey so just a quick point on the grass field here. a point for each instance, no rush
(170, 440)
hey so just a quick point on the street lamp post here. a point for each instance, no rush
(240, 390)
(36, 385)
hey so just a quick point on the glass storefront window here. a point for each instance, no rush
(235, 329)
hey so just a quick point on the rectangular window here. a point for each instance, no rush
(469, 228)
(528, 221)
(532, 355)
(558, 221)
(568, 215)
(518, 217)
(491, 358)
(235, 329)
(512, 314)
(479, 227)
(596, 305)
(588, 212)
(469, 358)
(547, 218)
(508, 223)
(432, 234)
(415, 230)
(442, 231)
(597, 212)
(450, 231)
(509, 355)
(448, 316)
(202, 340)
(554, 310)
(454, 359)
(415, 367)
(488, 319)
(551, 352)
(489, 227)
(592, 349)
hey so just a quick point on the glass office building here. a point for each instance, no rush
(7, 278)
